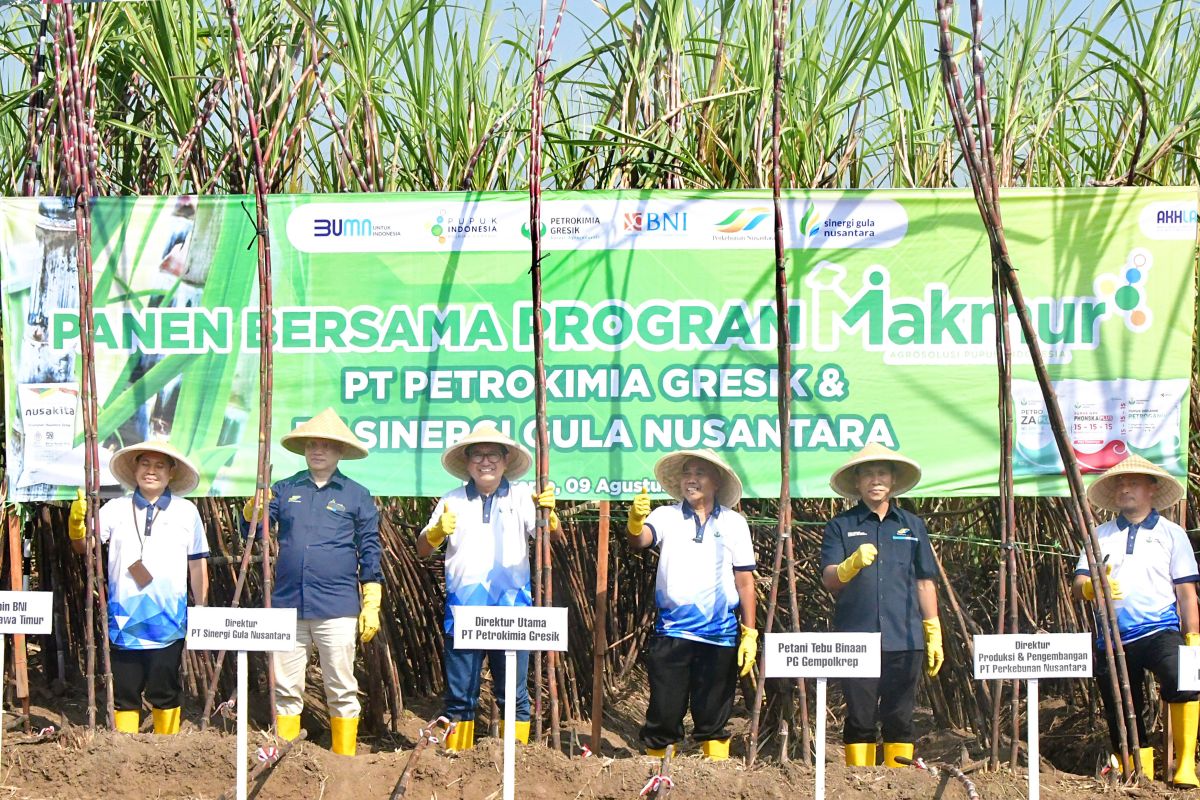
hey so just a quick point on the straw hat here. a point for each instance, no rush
(669, 471)
(907, 471)
(326, 425)
(1167, 490)
(123, 466)
(455, 457)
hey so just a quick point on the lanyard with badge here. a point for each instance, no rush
(137, 570)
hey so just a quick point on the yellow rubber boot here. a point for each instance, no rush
(462, 737)
(893, 749)
(166, 720)
(860, 754)
(715, 749)
(344, 732)
(127, 721)
(287, 726)
(1184, 718)
(520, 731)
(656, 752)
(1146, 755)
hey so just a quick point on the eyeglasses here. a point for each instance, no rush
(491, 456)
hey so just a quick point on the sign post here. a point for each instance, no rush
(22, 612)
(1029, 658)
(241, 629)
(510, 629)
(822, 656)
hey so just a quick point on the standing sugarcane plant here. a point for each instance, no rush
(783, 537)
(978, 157)
(544, 554)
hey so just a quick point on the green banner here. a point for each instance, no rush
(411, 315)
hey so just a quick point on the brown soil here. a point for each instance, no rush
(195, 764)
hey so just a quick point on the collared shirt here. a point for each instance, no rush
(695, 589)
(155, 616)
(487, 556)
(883, 596)
(328, 544)
(1148, 559)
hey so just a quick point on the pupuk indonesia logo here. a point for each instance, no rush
(1127, 290)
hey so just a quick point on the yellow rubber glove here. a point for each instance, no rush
(1191, 639)
(864, 556)
(638, 513)
(76, 527)
(445, 526)
(747, 653)
(368, 617)
(1089, 592)
(934, 655)
(547, 500)
(264, 505)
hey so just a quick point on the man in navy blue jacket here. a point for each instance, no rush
(328, 533)
(877, 561)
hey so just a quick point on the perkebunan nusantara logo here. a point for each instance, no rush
(743, 219)
(1126, 291)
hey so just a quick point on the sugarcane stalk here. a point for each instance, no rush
(986, 196)
(600, 626)
(779, 9)
(263, 240)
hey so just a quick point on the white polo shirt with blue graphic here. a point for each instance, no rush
(695, 590)
(487, 556)
(155, 616)
(1148, 560)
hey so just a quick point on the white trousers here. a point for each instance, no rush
(334, 639)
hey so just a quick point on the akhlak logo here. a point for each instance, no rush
(1127, 291)
(438, 229)
(810, 221)
(743, 219)
(525, 229)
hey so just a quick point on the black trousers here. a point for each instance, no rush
(154, 672)
(1159, 653)
(888, 699)
(687, 674)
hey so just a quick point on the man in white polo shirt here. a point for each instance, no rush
(705, 582)
(1153, 575)
(156, 548)
(487, 524)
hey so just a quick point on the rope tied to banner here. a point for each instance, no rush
(259, 233)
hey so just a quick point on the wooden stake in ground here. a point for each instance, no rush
(600, 626)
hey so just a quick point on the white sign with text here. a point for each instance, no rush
(246, 629)
(509, 628)
(26, 612)
(1033, 656)
(1189, 669)
(822, 655)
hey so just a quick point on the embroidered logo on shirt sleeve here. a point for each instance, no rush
(295, 499)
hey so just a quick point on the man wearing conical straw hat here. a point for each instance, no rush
(877, 561)
(328, 532)
(486, 524)
(705, 582)
(156, 549)
(1152, 574)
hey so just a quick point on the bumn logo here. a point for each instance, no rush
(342, 227)
(655, 221)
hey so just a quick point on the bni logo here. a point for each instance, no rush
(656, 221)
(341, 227)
